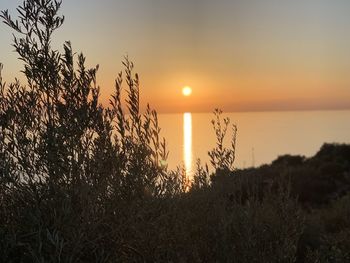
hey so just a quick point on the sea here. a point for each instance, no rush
(261, 136)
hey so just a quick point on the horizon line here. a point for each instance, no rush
(254, 111)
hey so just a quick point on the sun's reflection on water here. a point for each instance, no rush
(187, 144)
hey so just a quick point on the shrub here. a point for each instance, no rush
(68, 164)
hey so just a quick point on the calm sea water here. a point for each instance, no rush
(261, 138)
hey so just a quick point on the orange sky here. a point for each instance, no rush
(237, 55)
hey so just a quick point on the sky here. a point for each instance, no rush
(238, 55)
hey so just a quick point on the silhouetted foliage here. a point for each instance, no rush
(222, 158)
(289, 160)
(80, 182)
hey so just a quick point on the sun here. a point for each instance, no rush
(186, 91)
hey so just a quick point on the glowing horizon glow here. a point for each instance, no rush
(187, 144)
(279, 55)
(186, 91)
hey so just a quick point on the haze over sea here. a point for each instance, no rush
(261, 138)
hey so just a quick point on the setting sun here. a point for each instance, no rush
(187, 91)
